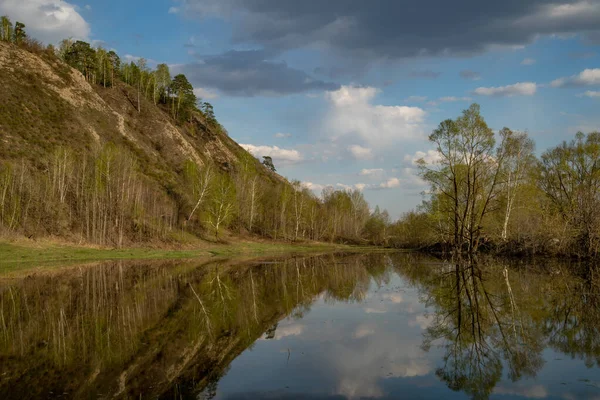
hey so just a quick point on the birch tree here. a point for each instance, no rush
(221, 207)
(519, 158)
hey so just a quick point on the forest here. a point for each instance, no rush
(489, 191)
(105, 195)
(486, 191)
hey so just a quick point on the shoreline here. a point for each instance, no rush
(23, 254)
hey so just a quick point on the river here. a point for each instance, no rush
(337, 326)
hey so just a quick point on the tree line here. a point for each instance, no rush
(102, 197)
(490, 190)
(104, 67)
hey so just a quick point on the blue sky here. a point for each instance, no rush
(345, 92)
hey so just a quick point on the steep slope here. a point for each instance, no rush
(46, 103)
(48, 111)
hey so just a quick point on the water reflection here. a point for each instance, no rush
(327, 327)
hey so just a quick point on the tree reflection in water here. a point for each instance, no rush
(489, 317)
(172, 329)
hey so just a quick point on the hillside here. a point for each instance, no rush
(46, 103)
(103, 164)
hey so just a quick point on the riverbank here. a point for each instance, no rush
(20, 253)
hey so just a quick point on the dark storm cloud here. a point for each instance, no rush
(250, 73)
(470, 75)
(392, 29)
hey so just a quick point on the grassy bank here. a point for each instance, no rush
(21, 254)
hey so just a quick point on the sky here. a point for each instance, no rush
(346, 92)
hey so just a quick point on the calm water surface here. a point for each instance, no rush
(369, 326)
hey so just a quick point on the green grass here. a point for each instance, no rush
(24, 255)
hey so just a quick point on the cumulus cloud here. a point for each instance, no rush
(315, 187)
(587, 77)
(352, 115)
(280, 135)
(430, 157)
(47, 20)
(251, 73)
(359, 30)
(280, 156)
(589, 93)
(518, 89)
(470, 75)
(356, 186)
(372, 173)
(363, 331)
(360, 153)
(390, 183)
(528, 61)
(205, 94)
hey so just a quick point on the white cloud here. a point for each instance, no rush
(372, 173)
(88, 7)
(290, 330)
(356, 186)
(518, 89)
(590, 93)
(562, 11)
(280, 135)
(390, 183)
(315, 187)
(47, 20)
(451, 99)
(363, 331)
(173, 10)
(280, 156)
(205, 94)
(422, 321)
(528, 61)
(360, 153)
(415, 99)
(587, 77)
(395, 298)
(430, 157)
(131, 58)
(351, 114)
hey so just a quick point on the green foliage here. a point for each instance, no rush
(87, 182)
(268, 162)
(184, 99)
(19, 32)
(81, 56)
(570, 177)
(6, 32)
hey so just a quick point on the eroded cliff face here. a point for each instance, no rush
(100, 162)
(47, 103)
